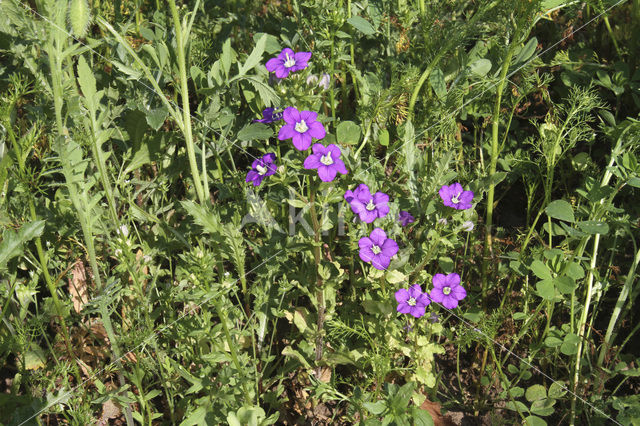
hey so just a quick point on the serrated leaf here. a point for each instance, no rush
(560, 210)
(86, 79)
(203, 216)
(255, 57)
(362, 25)
(255, 131)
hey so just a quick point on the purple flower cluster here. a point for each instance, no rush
(368, 207)
(269, 116)
(301, 127)
(446, 291)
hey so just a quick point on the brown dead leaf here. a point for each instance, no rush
(109, 411)
(78, 286)
(434, 409)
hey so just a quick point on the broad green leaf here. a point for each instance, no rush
(534, 421)
(543, 407)
(511, 405)
(546, 289)
(383, 137)
(195, 418)
(421, 417)
(436, 79)
(362, 25)
(552, 342)
(226, 58)
(480, 67)
(634, 181)
(348, 133)
(593, 227)
(560, 210)
(290, 352)
(540, 269)
(556, 390)
(570, 344)
(565, 284)
(255, 131)
(34, 358)
(156, 117)
(376, 408)
(535, 393)
(395, 277)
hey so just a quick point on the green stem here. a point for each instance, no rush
(317, 256)
(184, 94)
(222, 314)
(495, 124)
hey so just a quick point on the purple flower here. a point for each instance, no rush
(368, 207)
(447, 290)
(268, 116)
(377, 249)
(327, 160)
(301, 127)
(325, 81)
(412, 301)
(405, 218)
(261, 168)
(288, 61)
(454, 196)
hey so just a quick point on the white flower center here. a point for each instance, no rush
(371, 206)
(261, 170)
(456, 198)
(289, 62)
(301, 126)
(326, 159)
(376, 250)
(446, 290)
(411, 301)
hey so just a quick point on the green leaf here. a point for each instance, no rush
(255, 57)
(541, 270)
(593, 227)
(634, 181)
(383, 137)
(348, 133)
(255, 131)
(361, 25)
(86, 79)
(552, 342)
(421, 417)
(480, 67)
(565, 284)
(11, 245)
(226, 58)
(526, 52)
(376, 408)
(436, 79)
(570, 344)
(556, 390)
(560, 210)
(375, 307)
(511, 405)
(156, 117)
(534, 421)
(543, 407)
(195, 418)
(535, 393)
(395, 277)
(203, 217)
(546, 289)
(290, 352)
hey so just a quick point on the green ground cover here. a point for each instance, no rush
(319, 212)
